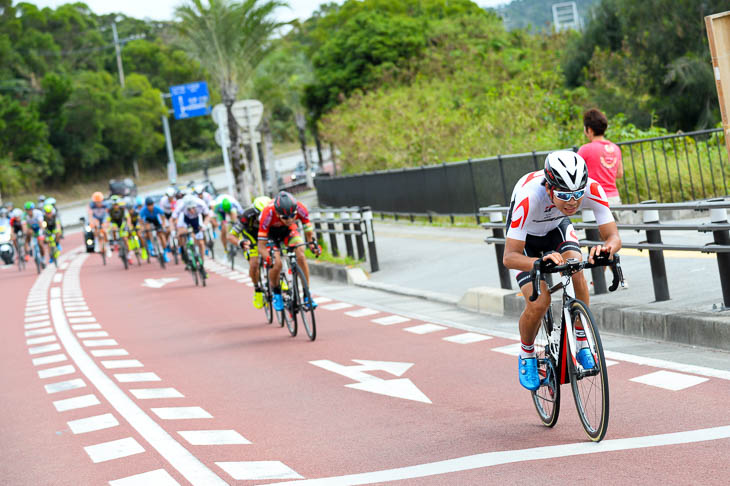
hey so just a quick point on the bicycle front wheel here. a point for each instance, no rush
(590, 387)
(546, 398)
(264, 286)
(304, 302)
(290, 313)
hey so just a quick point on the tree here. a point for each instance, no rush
(229, 39)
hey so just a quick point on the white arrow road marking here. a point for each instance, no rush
(399, 388)
(157, 283)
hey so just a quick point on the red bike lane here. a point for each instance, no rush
(252, 404)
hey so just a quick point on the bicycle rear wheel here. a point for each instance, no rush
(304, 302)
(160, 252)
(546, 398)
(123, 254)
(590, 388)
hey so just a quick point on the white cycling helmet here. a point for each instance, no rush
(170, 192)
(566, 171)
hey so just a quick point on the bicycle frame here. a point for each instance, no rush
(562, 335)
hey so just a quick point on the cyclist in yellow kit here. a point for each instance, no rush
(244, 233)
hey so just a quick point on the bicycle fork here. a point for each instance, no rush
(571, 341)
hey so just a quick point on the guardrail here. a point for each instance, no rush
(718, 225)
(354, 224)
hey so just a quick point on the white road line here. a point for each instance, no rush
(38, 312)
(253, 470)
(65, 385)
(90, 424)
(136, 377)
(33, 308)
(150, 393)
(106, 451)
(213, 437)
(57, 371)
(467, 338)
(510, 349)
(158, 477)
(179, 413)
(180, 458)
(390, 320)
(91, 334)
(335, 306)
(82, 401)
(40, 340)
(58, 277)
(669, 365)
(99, 353)
(76, 308)
(669, 380)
(81, 320)
(358, 313)
(479, 461)
(37, 325)
(91, 343)
(54, 358)
(36, 318)
(78, 314)
(38, 332)
(322, 300)
(44, 349)
(85, 327)
(121, 363)
(424, 328)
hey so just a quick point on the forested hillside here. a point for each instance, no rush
(390, 83)
(537, 14)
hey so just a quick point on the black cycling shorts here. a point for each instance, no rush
(560, 239)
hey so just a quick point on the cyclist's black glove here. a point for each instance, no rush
(242, 244)
(547, 266)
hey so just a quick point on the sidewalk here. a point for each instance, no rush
(455, 266)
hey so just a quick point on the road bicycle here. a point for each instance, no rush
(296, 296)
(194, 258)
(154, 248)
(52, 246)
(265, 289)
(135, 246)
(556, 348)
(117, 241)
(35, 249)
(172, 246)
(209, 241)
(20, 251)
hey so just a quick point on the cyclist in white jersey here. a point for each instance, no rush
(539, 228)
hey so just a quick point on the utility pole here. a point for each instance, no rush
(118, 48)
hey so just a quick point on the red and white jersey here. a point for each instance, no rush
(532, 212)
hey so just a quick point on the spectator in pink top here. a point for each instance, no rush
(602, 156)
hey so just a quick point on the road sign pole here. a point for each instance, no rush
(171, 167)
(223, 141)
(254, 154)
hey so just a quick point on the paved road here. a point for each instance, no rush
(107, 381)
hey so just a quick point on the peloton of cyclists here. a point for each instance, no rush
(539, 228)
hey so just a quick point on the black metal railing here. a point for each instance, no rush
(676, 167)
(718, 225)
(354, 225)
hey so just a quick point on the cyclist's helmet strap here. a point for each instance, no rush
(565, 171)
(285, 205)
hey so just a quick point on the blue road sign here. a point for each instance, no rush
(189, 100)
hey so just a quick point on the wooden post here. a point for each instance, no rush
(718, 34)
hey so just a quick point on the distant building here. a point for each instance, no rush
(565, 17)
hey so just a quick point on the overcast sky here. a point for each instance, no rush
(163, 9)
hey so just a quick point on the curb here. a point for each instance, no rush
(421, 294)
(338, 273)
(709, 330)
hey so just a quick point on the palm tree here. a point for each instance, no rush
(229, 38)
